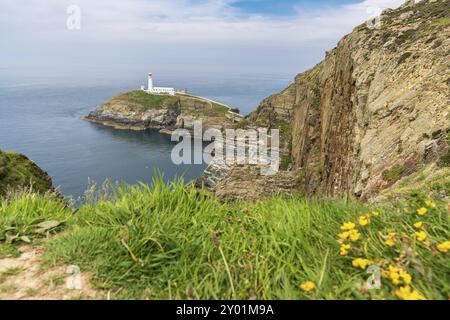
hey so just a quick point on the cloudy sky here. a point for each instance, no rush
(239, 35)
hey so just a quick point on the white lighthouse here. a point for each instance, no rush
(157, 90)
(150, 82)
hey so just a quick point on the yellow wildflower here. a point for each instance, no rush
(395, 278)
(344, 249)
(361, 263)
(376, 213)
(430, 204)
(397, 275)
(354, 235)
(421, 235)
(418, 225)
(444, 247)
(308, 286)
(406, 277)
(364, 221)
(390, 241)
(406, 293)
(422, 211)
(343, 235)
(347, 226)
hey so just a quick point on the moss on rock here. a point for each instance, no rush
(394, 173)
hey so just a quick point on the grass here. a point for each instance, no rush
(139, 100)
(430, 180)
(8, 250)
(172, 242)
(4, 275)
(394, 173)
(199, 107)
(28, 216)
(17, 170)
(441, 22)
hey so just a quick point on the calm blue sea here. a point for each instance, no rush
(41, 117)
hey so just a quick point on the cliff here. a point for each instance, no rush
(374, 111)
(17, 171)
(138, 110)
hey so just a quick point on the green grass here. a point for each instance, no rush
(430, 180)
(441, 22)
(173, 242)
(139, 100)
(4, 275)
(28, 216)
(17, 171)
(394, 173)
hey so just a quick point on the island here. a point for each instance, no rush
(141, 110)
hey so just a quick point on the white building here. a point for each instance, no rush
(157, 90)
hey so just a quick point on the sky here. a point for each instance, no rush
(192, 35)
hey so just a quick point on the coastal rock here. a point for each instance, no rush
(138, 110)
(374, 111)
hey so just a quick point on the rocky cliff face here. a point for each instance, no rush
(137, 110)
(377, 109)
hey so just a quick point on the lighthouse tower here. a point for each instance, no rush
(150, 82)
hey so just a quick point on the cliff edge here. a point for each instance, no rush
(374, 111)
(17, 171)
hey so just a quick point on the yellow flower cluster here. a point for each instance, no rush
(364, 220)
(406, 293)
(347, 226)
(397, 275)
(418, 225)
(444, 247)
(353, 235)
(349, 231)
(422, 211)
(421, 235)
(361, 263)
(308, 286)
(390, 239)
(344, 249)
(430, 204)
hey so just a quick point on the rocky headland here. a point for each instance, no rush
(138, 110)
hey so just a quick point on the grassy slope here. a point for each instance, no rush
(171, 242)
(141, 101)
(18, 171)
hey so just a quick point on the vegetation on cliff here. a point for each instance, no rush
(140, 101)
(139, 110)
(17, 171)
(172, 242)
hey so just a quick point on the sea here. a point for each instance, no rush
(41, 116)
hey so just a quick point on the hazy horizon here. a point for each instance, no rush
(168, 36)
